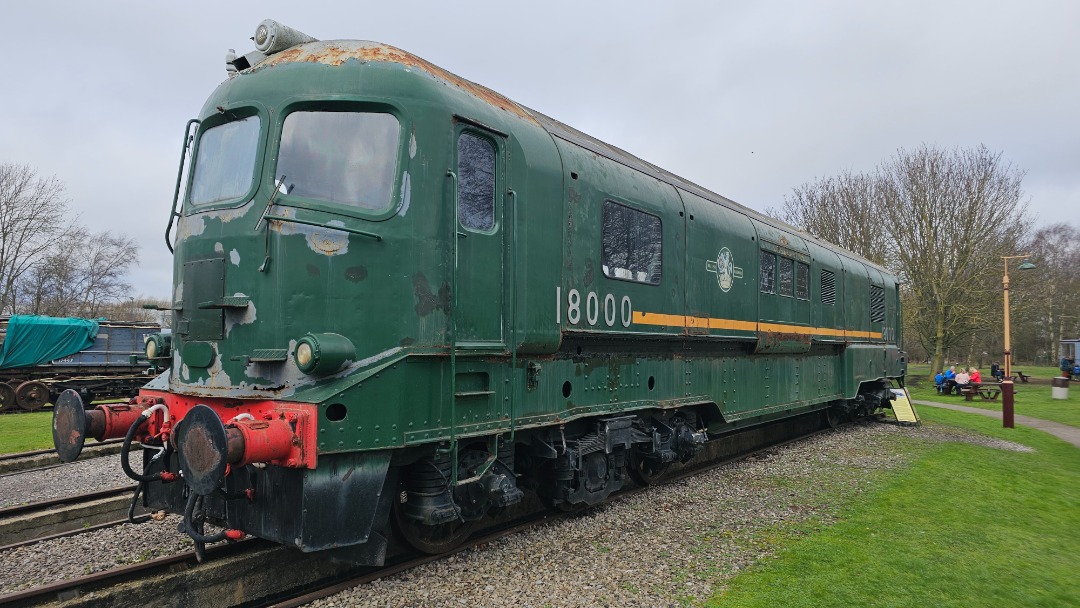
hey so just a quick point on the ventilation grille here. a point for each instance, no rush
(828, 288)
(877, 304)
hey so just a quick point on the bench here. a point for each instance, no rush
(1023, 377)
(969, 391)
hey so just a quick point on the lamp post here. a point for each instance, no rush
(1007, 383)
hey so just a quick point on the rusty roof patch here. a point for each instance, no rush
(337, 52)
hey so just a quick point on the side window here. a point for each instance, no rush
(768, 272)
(828, 287)
(632, 244)
(802, 281)
(476, 182)
(877, 304)
(787, 276)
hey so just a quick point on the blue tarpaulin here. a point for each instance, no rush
(35, 339)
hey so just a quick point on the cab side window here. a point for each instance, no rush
(476, 182)
(632, 243)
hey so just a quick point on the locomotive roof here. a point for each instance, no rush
(337, 52)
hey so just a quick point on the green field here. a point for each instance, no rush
(23, 432)
(961, 525)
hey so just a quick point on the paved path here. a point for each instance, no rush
(1061, 431)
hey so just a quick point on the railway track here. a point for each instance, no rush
(47, 519)
(38, 460)
(257, 573)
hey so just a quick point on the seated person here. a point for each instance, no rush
(950, 379)
(962, 379)
(939, 381)
(976, 377)
(997, 372)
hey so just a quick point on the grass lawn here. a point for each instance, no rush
(24, 432)
(962, 525)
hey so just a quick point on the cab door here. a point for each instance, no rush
(479, 298)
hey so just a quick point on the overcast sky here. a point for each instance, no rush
(748, 99)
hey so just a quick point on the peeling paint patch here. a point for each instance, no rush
(406, 194)
(234, 257)
(185, 373)
(339, 52)
(178, 292)
(246, 317)
(412, 144)
(356, 273)
(189, 226)
(219, 248)
(284, 377)
(217, 378)
(227, 215)
(320, 240)
(426, 301)
(373, 359)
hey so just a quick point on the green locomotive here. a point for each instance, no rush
(401, 297)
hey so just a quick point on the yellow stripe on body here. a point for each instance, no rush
(686, 321)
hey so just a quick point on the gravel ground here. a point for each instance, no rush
(67, 480)
(668, 546)
(671, 545)
(74, 556)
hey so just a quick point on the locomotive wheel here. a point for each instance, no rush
(832, 417)
(7, 397)
(432, 540)
(32, 395)
(644, 471)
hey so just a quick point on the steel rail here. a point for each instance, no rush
(42, 505)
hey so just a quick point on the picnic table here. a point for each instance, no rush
(988, 392)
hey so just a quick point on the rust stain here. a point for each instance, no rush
(337, 52)
(199, 449)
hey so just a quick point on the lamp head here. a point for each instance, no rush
(1026, 265)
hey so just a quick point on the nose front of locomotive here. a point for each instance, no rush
(290, 267)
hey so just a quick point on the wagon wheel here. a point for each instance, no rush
(32, 395)
(433, 540)
(645, 471)
(7, 397)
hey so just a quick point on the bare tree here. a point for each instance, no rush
(82, 276)
(941, 220)
(841, 209)
(955, 213)
(1056, 251)
(33, 214)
